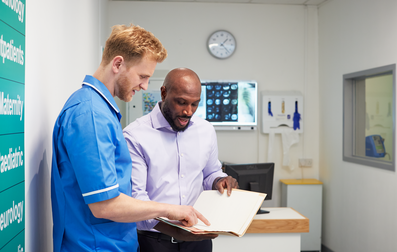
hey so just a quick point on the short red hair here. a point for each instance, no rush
(132, 43)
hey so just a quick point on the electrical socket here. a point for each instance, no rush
(305, 162)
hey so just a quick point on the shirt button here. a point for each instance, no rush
(183, 196)
(183, 176)
(182, 155)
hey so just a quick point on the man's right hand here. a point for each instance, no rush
(186, 214)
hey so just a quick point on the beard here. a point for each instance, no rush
(168, 116)
(124, 91)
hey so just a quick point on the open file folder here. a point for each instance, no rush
(228, 215)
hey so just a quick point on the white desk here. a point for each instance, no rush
(278, 231)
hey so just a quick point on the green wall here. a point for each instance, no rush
(12, 121)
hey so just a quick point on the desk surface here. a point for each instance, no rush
(279, 220)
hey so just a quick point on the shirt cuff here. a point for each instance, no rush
(209, 181)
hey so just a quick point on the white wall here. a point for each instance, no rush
(360, 202)
(62, 46)
(276, 45)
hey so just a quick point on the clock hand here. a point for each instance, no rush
(223, 42)
(225, 48)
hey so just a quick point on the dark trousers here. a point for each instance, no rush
(153, 244)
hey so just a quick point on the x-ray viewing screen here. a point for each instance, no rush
(228, 103)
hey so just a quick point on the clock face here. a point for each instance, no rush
(221, 44)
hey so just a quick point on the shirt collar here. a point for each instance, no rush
(99, 87)
(159, 121)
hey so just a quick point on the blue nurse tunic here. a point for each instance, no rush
(90, 163)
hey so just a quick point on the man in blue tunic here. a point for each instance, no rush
(91, 164)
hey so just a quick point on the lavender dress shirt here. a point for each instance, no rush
(168, 166)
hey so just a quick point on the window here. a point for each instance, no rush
(368, 118)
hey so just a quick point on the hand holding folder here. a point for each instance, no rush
(228, 215)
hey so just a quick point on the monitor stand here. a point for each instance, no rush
(261, 211)
(254, 187)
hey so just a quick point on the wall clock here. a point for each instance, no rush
(221, 44)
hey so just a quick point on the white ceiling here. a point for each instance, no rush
(289, 2)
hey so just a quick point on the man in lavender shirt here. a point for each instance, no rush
(174, 158)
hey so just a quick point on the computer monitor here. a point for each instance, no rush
(257, 177)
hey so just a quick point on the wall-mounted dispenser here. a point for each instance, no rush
(281, 109)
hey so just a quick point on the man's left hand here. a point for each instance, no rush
(226, 182)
